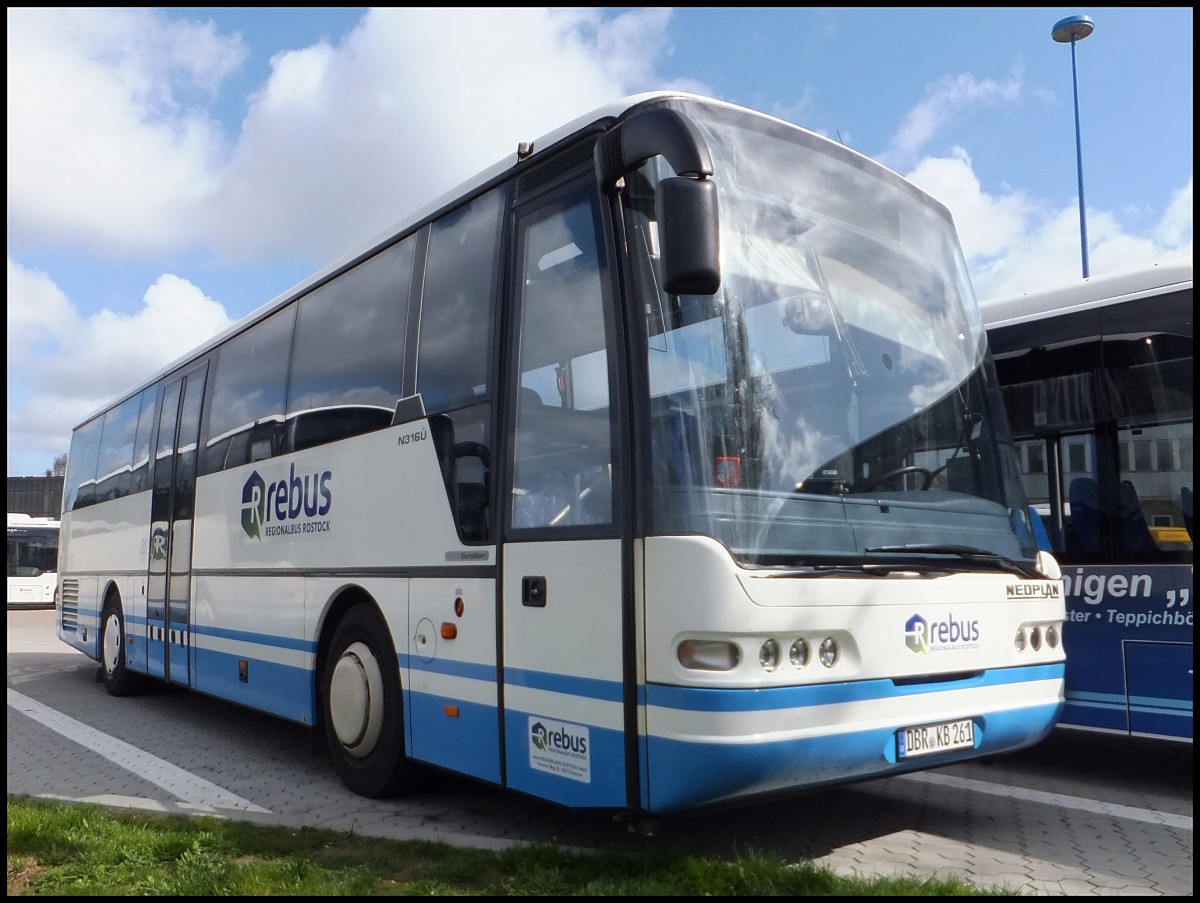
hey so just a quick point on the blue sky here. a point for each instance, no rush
(171, 170)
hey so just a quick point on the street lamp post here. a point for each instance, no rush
(1072, 29)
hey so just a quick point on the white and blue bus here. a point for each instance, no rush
(1097, 374)
(32, 560)
(658, 466)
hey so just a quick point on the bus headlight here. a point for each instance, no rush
(829, 652)
(709, 655)
(800, 653)
(1052, 637)
(768, 655)
(1035, 638)
(1019, 639)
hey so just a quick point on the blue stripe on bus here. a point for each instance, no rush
(584, 687)
(283, 690)
(262, 639)
(683, 774)
(1164, 704)
(470, 670)
(467, 741)
(741, 699)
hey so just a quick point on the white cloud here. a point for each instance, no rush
(121, 155)
(82, 362)
(1013, 243)
(330, 145)
(945, 101)
(1175, 228)
(110, 157)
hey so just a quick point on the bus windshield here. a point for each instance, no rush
(835, 398)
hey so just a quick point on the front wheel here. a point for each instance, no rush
(362, 706)
(118, 679)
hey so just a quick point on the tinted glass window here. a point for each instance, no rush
(116, 450)
(562, 472)
(248, 392)
(454, 355)
(348, 363)
(79, 487)
(141, 451)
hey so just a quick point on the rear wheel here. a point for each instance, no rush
(118, 679)
(362, 706)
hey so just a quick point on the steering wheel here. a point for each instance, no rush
(899, 472)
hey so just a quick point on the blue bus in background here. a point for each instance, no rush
(1097, 376)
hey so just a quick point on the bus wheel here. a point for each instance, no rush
(118, 679)
(364, 725)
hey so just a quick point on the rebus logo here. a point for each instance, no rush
(284, 500)
(254, 505)
(559, 740)
(919, 634)
(916, 634)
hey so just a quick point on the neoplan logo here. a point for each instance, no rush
(284, 500)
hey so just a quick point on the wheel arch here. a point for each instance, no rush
(344, 599)
(109, 595)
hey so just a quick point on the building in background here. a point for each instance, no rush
(36, 496)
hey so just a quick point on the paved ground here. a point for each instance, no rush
(1077, 815)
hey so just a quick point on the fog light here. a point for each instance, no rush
(708, 655)
(768, 655)
(1019, 639)
(800, 653)
(828, 652)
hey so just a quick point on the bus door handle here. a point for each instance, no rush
(533, 592)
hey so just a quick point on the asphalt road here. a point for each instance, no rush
(1079, 814)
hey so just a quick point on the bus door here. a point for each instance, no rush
(562, 620)
(168, 602)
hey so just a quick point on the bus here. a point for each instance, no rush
(32, 561)
(1097, 375)
(658, 466)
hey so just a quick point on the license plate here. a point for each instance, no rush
(935, 738)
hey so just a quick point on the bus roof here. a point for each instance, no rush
(1096, 291)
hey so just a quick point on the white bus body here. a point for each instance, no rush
(32, 561)
(575, 487)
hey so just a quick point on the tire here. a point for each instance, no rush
(362, 707)
(118, 679)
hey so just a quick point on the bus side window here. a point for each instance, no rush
(467, 487)
(454, 360)
(248, 386)
(333, 396)
(1084, 498)
(1135, 532)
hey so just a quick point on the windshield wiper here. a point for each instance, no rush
(868, 568)
(970, 553)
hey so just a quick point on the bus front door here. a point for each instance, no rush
(168, 598)
(563, 580)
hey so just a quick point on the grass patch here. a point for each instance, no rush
(57, 848)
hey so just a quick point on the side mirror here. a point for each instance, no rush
(689, 236)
